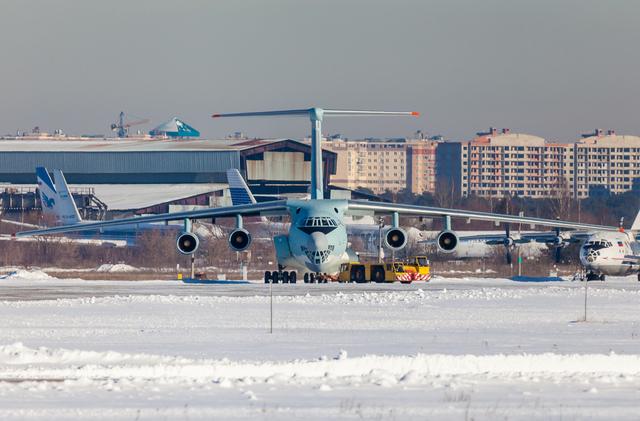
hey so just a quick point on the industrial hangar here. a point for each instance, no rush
(147, 176)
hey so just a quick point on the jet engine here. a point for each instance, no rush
(187, 243)
(239, 239)
(395, 238)
(447, 241)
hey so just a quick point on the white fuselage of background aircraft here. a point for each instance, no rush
(610, 253)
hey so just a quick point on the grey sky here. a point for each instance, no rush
(552, 68)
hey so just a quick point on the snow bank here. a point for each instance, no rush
(28, 275)
(119, 267)
(20, 362)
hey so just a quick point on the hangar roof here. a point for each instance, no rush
(136, 196)
(132, 145)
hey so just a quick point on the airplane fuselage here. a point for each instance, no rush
(604, 253)
(317, 239)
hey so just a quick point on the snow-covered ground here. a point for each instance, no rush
(450, 349)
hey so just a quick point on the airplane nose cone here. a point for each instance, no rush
(318, 241)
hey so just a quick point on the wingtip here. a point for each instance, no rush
(216, 115)
(415, 113)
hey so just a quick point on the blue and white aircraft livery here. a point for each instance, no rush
(56, 199)
(58, 204)
(316, 244)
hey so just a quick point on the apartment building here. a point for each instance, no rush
(381, 165)
(605, 162)
(495, 164)
(499, 163)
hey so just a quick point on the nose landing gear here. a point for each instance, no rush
(313, 278)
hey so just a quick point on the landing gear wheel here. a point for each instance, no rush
(285, 277)
(592, 277)
(305, 277)
(267, 277)
(275, 277)
(293, 277)
(602, 277)
(312, 278)
(638, 277)
(377, 275)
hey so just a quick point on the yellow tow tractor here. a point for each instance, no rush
(386, 272)
(418, 268)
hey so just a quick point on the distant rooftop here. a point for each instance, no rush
(129, 145)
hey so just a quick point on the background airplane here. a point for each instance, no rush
(316, 243)
(602, 253)
(59, 207)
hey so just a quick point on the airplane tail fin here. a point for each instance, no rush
(636, 223)
(66, 209)
(47, 191)
(240, 193)
(56, 199)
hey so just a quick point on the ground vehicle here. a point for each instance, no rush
(417, 269)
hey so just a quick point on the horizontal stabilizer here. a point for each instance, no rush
(318, 113)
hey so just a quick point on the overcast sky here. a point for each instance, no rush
(551, 68)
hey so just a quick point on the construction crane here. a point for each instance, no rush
(122, 127)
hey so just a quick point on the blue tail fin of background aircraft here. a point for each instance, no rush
(56, 199)
(240, 193)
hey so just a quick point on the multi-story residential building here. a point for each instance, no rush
(421, 164)
(496, 164)
(493, 164)
(605, 162)
(381, 165)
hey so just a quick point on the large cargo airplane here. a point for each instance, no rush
(316, 244)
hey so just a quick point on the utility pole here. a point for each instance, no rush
(380, 226)
(586, 291)
(271, 304)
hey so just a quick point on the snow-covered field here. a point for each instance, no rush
(451, 349)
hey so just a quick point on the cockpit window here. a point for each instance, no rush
(597, 245)
(318, 223)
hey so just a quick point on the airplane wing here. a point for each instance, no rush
(278, 207)
(493, 239)
(361, 207)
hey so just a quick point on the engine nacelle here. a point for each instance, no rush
(447, 241)
(395, 238)
(508, 242)
(187, 243)
(557, 242)
(239, 239)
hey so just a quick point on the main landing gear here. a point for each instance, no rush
(279, 276)
(595, 277)
(286, 277)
